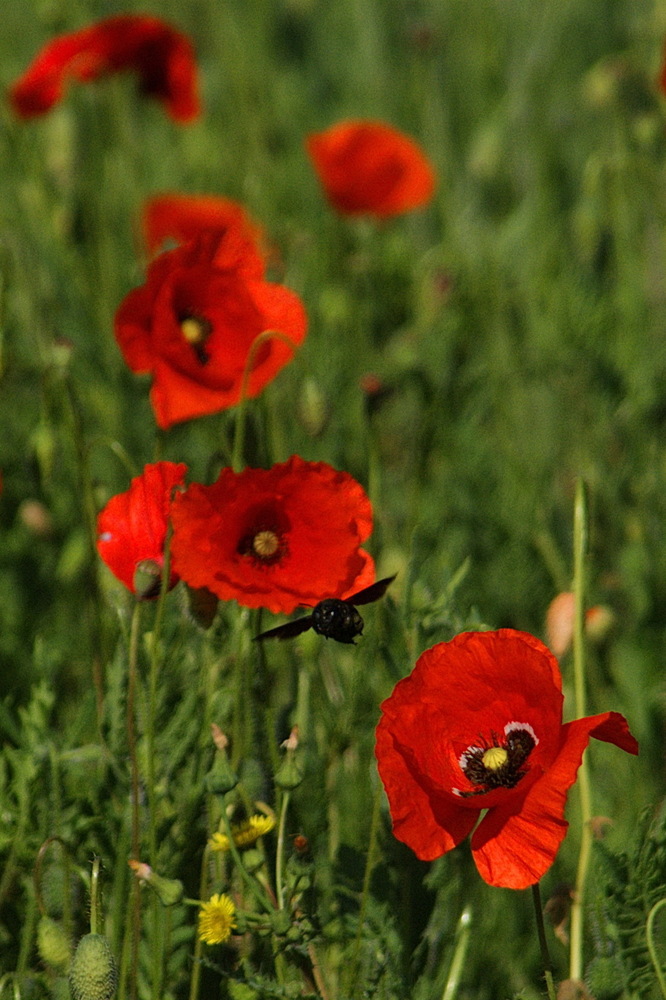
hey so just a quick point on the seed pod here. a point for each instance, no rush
(93, 974)
(53, 943)
(605, 977)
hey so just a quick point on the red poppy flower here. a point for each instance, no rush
(182, 217)
(132, 528)
(368, 167)
(162, 56)
(193, 323)
(478, 726)
(275, 538)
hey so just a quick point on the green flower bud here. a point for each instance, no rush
(605, 977)
(221, 778)
(93, 974)
(253, 859)
(147, 580)
(290, 774)
(280, 922)
(53, 943)
(169, 890)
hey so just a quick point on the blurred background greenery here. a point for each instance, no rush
(517, 327)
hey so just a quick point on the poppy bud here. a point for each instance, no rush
(605, 977)
(253, 860)
(573, 989)
(93, 974)
(147, 579)
(313, 408)
(280, 922)
(36, 518)
(290, 774)
(221, 778)
(169, 890)
(53, 943)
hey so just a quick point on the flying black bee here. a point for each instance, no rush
(332, 618)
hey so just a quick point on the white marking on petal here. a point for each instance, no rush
(512, 727)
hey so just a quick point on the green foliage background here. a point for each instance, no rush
(518, 324)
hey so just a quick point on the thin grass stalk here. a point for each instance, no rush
(156, 913)
(279, 855)
(654, 957)
(462, 939)
(251, 883)
(198, 943)
(354, 965)
(89, 510)
(132, 681)
(579, 585)
(95, 916)
(152, 698)
(543, 943)
(241, 409)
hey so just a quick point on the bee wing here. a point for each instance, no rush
(288, 630)
(373, 592)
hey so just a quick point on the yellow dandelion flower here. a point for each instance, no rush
(245, 834)
(219, 842)
(216, 919)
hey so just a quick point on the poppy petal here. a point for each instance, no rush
(182, 217)
(161, 55)
(476, 729)
(431, 825)
(515, 849)
(195, 321)
(369, 167)
(313, 518)
(132, 526)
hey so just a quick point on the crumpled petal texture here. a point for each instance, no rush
(133, 525)
(217, 279)
(161, 55)
(322, 516)
(183, 217)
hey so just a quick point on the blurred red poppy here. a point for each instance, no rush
(192, 326)
(275, 538)
(161, 55)
(367, 167)
(131, 529)
(182, 217)
(478, 726)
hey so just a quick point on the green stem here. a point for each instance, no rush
(159, 948)
(95, 916)
(365, 893)
(251, 883)
(89, 511)
(462, 939)
(649, 931)
(579, 585)
(543, 943)
(198, 943)
(152, 701)
(279, 858)
(239, 433)
(132, 678)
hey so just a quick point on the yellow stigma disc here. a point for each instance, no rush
(494, 758)
(194, 330)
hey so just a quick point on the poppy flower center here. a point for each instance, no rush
(265, 544)
(196, 330)
(264, 540)
(500, 763)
